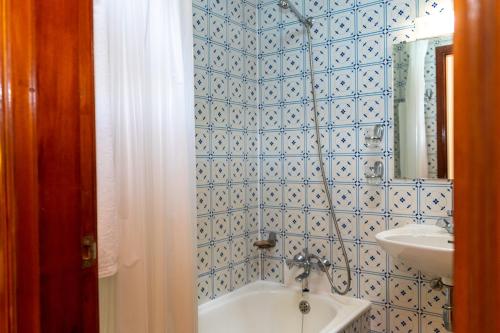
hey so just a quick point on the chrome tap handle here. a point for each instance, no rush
(445, 223)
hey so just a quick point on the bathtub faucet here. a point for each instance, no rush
(307, 262)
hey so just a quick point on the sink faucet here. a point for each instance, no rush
(446, 222)
(304, 260)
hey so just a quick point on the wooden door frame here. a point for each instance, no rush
(18, 154)
(24, 35)
(477, 166)
(442, 109)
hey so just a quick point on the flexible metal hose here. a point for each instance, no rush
(333, 217)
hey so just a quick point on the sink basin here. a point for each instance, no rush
(426, 247)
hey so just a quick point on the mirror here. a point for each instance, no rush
(423, 108)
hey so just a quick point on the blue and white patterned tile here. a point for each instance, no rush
(271, 169)
(293, 246)
(271, 219)
(432, 324)
(372, 258)
(343, 54)
(343, 83)
(222, 282)
(270, 16)
(295, 195)
(238, 250)
(234, 33)
(347, 224)
(237, 117)
(204, 287)
(294, 222)
(203, 234)
(344, 140)
(369, 226)
(239, 276)
(435, 201)
(338, 258)
(273, 270)
(318, 223)
(403, 321)
(373, 287)
(271, 143)
(220, 226)
(202, 200)
(294, 142)
(200, 83)
(292, 37)
(322, 110)
(320, 247)
(403, 292)
(202, 171)
(204, 259)
(220, 170)
(401, 13)
(435, 7)
(371, 109)
(371, 49)
(371, 79)
(237, 140)
(342, 4)
(270, 41)
(378, 318)
(343, 111)
(344, 169)
(403, 199)
(316, 197)
(288, 16)
(370, 19)
(200, 22)
(272, 194)
(221, 255)
(294, 168)
(238, 224)
(319, 30)
(202, 112)
(254, 270)
(432, 300)
(271, 92)
(342, 25)
(372, 199)
(218, 29)
(271, 66)
(344, 197)
(316, 7)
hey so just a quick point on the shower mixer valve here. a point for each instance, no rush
(308, 262)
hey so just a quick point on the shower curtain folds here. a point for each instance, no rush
(149, 78)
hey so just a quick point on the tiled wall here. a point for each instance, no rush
(225, 50)
(256, 154)
(352, 57)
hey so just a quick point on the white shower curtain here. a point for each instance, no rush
(149, 77)
(413, 143)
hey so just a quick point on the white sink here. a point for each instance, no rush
(426, 247)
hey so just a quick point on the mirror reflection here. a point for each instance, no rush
(423, 108)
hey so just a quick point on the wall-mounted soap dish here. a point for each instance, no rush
(266, 243)
(374, 174)
(374, 136)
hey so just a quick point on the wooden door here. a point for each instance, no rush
(47, 167)
(477, 166)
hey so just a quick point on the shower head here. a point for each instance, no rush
(285, 4)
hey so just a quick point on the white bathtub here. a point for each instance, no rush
(268, 307)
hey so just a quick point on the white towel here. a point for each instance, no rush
(107, 222)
